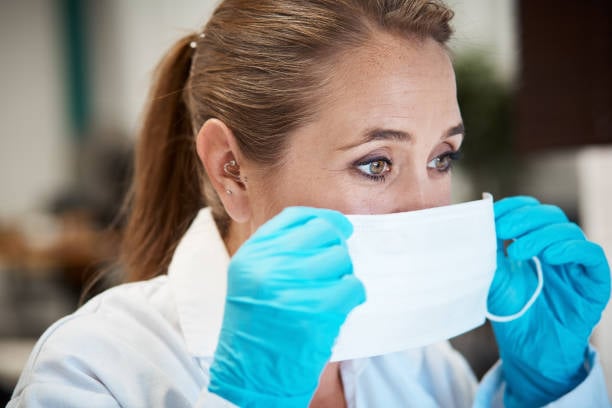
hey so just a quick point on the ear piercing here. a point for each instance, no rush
(231, 168)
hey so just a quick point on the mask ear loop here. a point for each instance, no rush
(530, 302)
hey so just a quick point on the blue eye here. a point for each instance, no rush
(444, 162)
(376, 168)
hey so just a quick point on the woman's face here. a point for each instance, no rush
(383, 141)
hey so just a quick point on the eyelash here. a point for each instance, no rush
(380, 177)
(452, 155)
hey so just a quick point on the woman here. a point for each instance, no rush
(329, 107)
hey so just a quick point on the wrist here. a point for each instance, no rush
(528, 385)
(245, 386)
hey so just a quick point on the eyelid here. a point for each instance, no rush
(453, 151)
(453, 155)
(368, 160)
(454, 146)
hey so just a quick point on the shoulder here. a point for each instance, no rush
(115, 311)
(116, 340)
(121, 314)
(124, 345)
(128, 302)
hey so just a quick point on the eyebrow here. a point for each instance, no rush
(399, 136)
(455, 130)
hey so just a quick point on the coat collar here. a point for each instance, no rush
(198, 279)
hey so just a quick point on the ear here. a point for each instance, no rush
(217, 147)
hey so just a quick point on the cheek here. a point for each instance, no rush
(444, 196)
(294, 186)
(419, 193)
(440, 191)
(341, 190)
(334, 190)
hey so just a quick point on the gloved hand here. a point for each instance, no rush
(290, 288)
(543, 352)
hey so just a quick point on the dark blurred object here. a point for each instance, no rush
(104, 166)
(91, 209)
(5, 395)
(75, 240)
(565, 97)
(479, 348)
(59, 250)
(13, 356)
(486, 107)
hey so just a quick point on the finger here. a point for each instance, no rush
(314, 235)
(581, 252)
(328, 264)
(337, 220)
(292, 280)
(288, 248)
(592, 280)
(288, 218)
(293, 217)
(507, 205)
(534, 243)
(336, 297)
(526, 219)
(343, 296)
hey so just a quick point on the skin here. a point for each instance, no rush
(390, 83)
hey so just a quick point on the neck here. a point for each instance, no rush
(330, 393)
(235, 237)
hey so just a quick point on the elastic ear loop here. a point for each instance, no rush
(536, 293)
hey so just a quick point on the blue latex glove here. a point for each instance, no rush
(543, 352)
(290, 288)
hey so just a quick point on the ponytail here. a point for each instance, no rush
(165, 194)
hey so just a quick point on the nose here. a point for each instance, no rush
(416, 199)
(420, 192)
(420, 199)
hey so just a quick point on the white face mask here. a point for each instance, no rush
(426, 273)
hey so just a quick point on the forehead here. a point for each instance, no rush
(391, 79)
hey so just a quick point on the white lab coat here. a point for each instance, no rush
(150, 344)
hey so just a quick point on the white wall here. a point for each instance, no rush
(488, 26)
(127, 40)
(34, 139)
(130, 38)
(594, 167)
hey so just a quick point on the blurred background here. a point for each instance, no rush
(535, 89)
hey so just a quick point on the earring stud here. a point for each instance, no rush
(231, 168)
(232, 171)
